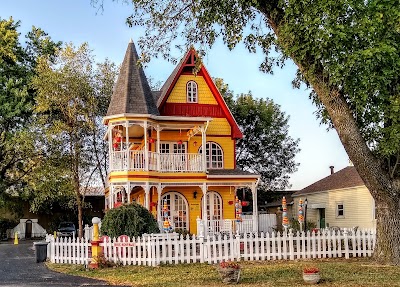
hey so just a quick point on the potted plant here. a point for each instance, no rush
(229, 272)
(311, 275)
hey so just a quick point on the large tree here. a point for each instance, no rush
(73, 93)
(18, 152)
(347, 51)
(266, 147)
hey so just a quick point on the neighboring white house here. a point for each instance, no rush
(340, 199)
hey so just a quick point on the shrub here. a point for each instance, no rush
(132, 220)
(295, 225)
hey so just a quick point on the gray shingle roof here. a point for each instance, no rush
(132, 92)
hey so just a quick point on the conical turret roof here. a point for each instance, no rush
(132, 93)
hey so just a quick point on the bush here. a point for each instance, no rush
(295, 225)
(132, 220)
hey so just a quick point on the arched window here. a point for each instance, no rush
(191, 92)
(214, 155)
(178, 210)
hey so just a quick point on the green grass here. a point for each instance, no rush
(334, 272)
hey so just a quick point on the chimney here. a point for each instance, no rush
(332, 169)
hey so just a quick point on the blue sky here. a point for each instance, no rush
(77, 21)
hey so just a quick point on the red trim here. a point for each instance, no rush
(235, 131)
(160, 177)
(192, 110)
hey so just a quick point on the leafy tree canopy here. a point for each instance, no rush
(18, 153)
(266, 147)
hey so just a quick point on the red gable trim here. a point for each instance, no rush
(235, 131)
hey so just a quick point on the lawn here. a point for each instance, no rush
(334, 272)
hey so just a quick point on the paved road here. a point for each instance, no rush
(18, 267)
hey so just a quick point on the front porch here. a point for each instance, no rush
(199, 208)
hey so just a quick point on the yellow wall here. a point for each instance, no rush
(358, 207)
(178, 93)
(219, 126)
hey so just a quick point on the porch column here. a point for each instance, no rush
(111, 196)
(110, 147)
(204, 208)
(128, 192)
(158, 149)
(147, 196)
(203, 144)
(128, 155)
(255, 208)
(159, 206)
(146, 148)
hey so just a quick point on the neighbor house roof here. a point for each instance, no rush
(132, 94)
(92, 191)
(345, 178)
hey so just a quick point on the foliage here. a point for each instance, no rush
(310, 270)
(345, 50)
(72, 94)
(132, 220)
(272, 273)
(295, 225)
(229, 264)
(18, 152)
(6, 224)
(266, 147)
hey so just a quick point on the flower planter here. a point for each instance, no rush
(229, 275)
(311, 278)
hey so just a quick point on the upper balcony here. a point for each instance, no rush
(162, 144)
(139, 160)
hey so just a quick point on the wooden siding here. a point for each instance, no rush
(178, 93)
(358, 207)
(219, 126)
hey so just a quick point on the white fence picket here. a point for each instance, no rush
(156, 249)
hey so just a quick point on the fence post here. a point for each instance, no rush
(87, 229)
(96, 248)
(201, 243)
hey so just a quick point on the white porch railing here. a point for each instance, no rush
(166, 162)
(266, 223)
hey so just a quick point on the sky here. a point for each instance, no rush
(77, 21)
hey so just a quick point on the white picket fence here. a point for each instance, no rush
(152, 250)
(68, 250)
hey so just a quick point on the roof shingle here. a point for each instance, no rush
(132, 92)
(345, 178)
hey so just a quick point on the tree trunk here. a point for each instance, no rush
(382, 187)
(387, 249)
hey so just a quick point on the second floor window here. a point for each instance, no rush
(191, 92)
(214, 155)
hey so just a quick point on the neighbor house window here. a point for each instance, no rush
(214, 155)
(191, 91)
(340, 210)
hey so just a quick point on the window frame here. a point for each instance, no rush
(209, 163)
(339, 209)
(192, 96)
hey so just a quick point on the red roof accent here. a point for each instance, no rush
(235, 131)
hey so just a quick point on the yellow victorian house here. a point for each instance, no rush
(174, 150)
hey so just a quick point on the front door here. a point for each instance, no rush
(214, 211)
(178, 211)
